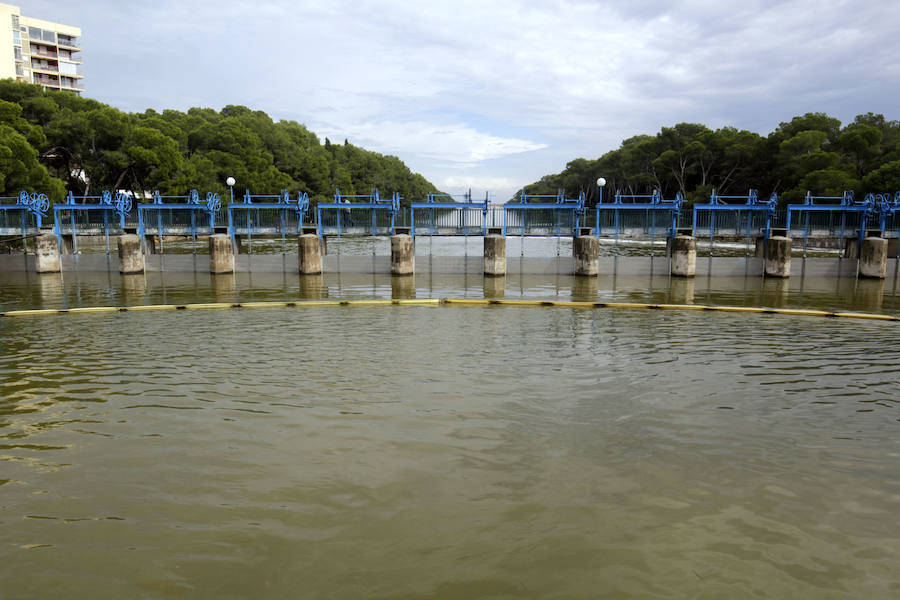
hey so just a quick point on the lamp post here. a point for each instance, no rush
(601, 183)
(230, 183)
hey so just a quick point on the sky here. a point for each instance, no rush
(492, 95)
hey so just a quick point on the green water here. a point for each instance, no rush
(446, 452)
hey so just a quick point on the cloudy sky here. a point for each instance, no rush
(493, 94)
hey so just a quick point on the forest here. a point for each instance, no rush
(55, 142)
(811, 153)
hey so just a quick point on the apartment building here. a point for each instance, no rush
(39, 51)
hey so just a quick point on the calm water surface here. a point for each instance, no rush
(419, 452)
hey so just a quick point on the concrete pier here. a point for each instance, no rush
(873, 258)
(221, 254)
(46, 254)
(494, 255)
(778, 257)
(586, 252)
(684, 256)
(403, 256)
(310, 254)
(131, 254)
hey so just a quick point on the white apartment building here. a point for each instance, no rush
(39, 51)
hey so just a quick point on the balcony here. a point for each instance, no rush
(44, 68)
(43, 51)
(69, 43)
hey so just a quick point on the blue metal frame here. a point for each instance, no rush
(283, 203)
(633, 202)
(751, 205)
(34, 204)
(561, 205)
(433, 204)
(825, 204)
(348, 202)
(120, 205)
(191, 203)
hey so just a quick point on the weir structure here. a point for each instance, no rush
(645, 216)
(21, 215)
(829, 219)
(266, 215)
(564, 217)
(96, 215)
(177, 215)
(734, 216)
(449, 214)
(359, 214)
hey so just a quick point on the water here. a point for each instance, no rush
(445, 452)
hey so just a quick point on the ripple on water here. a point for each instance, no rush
(428, 452)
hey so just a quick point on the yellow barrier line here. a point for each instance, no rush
(452, 301)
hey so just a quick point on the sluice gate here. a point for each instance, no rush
(177, 216)
(638, 216)
(270, 215)
(563, 217)
(359, 214)
(23, 216)
(96, 215)
(448, 214)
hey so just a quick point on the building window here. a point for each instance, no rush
(34, 33)
(49, 36)
(15, 22)
(17, 38)
(17, 52)
(19, 70)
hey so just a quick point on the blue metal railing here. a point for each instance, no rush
(267, 214)
(637, 215)
(443, 214)
(178, 215)
(24, 216)
(737, 216)
(95, 215)
(831, 216)
(562, 217)
(360, 214)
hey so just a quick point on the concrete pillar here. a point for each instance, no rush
(684, 256)
(873, 258)
(221, 254)
(46, 254)
(403, 256)
(494, 255)
(310, 254)
(586, 252)
(131, 255)
(778, 257)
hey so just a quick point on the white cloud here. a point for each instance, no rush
(507, 90)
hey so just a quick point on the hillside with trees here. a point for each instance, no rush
(57, 141)
(812, 152)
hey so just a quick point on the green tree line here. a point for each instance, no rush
(57, 141)
(810, 153)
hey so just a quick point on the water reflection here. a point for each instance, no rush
(403, 287)
(71, 289)
(494, 286)
(312, 287)
(681, 290)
